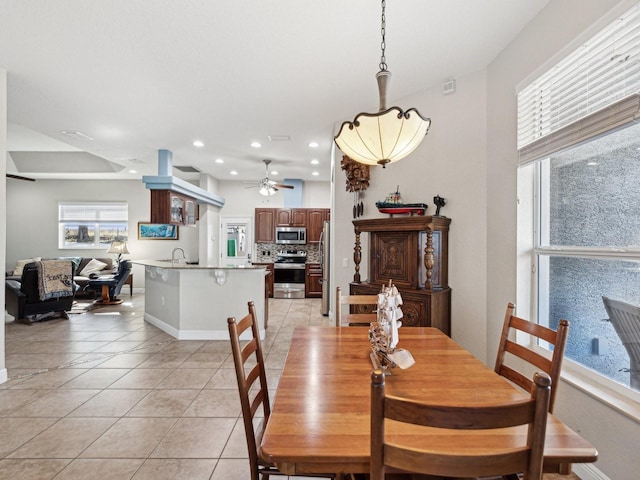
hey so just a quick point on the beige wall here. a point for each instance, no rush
(3, 205)
(32, 220)
(242, 201)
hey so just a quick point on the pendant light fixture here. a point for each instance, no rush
(386, 136)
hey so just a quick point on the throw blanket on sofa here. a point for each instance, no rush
(55, 278)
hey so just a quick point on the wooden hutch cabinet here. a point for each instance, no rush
(412, 252)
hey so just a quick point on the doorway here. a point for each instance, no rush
(236, 234)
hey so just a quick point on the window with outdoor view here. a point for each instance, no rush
(579, 148)
(92, 225)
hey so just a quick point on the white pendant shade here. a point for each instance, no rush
(385, 137)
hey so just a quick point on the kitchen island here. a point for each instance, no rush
(193, 302)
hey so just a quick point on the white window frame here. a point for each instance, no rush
(545, 133)
(93, 215)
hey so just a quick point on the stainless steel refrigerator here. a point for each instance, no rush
(325, 261)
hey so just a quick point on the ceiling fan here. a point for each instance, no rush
(19, 177)
(267, 186)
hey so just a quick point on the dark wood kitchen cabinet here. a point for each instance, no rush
(315, 219)
(413, 253)
(291, 217)
(313, 280)
(265, 225)
(266, 220)
(174, 208)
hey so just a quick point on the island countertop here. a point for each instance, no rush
(190, 266)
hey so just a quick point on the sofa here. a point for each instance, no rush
(43, 290)
(81, 275)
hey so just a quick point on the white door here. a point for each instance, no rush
(236, 234)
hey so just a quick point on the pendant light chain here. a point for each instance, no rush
(383, 45)
(388, 135)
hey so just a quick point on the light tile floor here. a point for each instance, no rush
(105, 395)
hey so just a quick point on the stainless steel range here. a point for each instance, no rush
(289, 273)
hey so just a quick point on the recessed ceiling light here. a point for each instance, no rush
(133, 171)
(219, 160)
(313, 144)
(592, 163)
(256, 144)
(75, 134)
(198, 143)
(233, 172)
(315, 174)
(314, 162)
(273, 172)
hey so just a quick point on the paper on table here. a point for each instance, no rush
(402, 358)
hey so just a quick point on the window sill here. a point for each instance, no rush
(623, 400)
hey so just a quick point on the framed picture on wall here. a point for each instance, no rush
(157, 231)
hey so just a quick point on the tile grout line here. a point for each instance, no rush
(87, 360)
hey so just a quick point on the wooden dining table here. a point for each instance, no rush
(320, 418)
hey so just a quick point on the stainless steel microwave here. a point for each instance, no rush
(291, 235)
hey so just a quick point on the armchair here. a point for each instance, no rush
(110, 286)
(24, 299)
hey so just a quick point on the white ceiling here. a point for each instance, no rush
(139, 75)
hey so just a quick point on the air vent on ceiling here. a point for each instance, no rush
(77, 135)
(186, 169)
(279, 138)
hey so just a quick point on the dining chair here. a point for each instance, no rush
(248, 360)
(369, 306)
(557, 339)
(447, 456)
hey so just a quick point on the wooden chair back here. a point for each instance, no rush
(551, 366)
(354, 319)
(449, 458)
(252, 384)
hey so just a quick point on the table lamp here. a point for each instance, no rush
(119, 248)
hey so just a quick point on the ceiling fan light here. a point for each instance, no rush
(267, 190)
(384, 137)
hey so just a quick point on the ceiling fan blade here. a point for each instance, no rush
(18, 177)
(279, 185)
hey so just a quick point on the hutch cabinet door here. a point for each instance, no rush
(394, 255)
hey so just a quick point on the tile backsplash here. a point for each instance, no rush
(266, 252)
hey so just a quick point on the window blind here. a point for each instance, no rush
(601, 72)
(93, 212)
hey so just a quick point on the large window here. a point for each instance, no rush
(587, 245)
(579, 189)
(92, 225)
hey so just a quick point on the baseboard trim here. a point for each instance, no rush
(195, 334)
(587, 471)
(4, 376)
